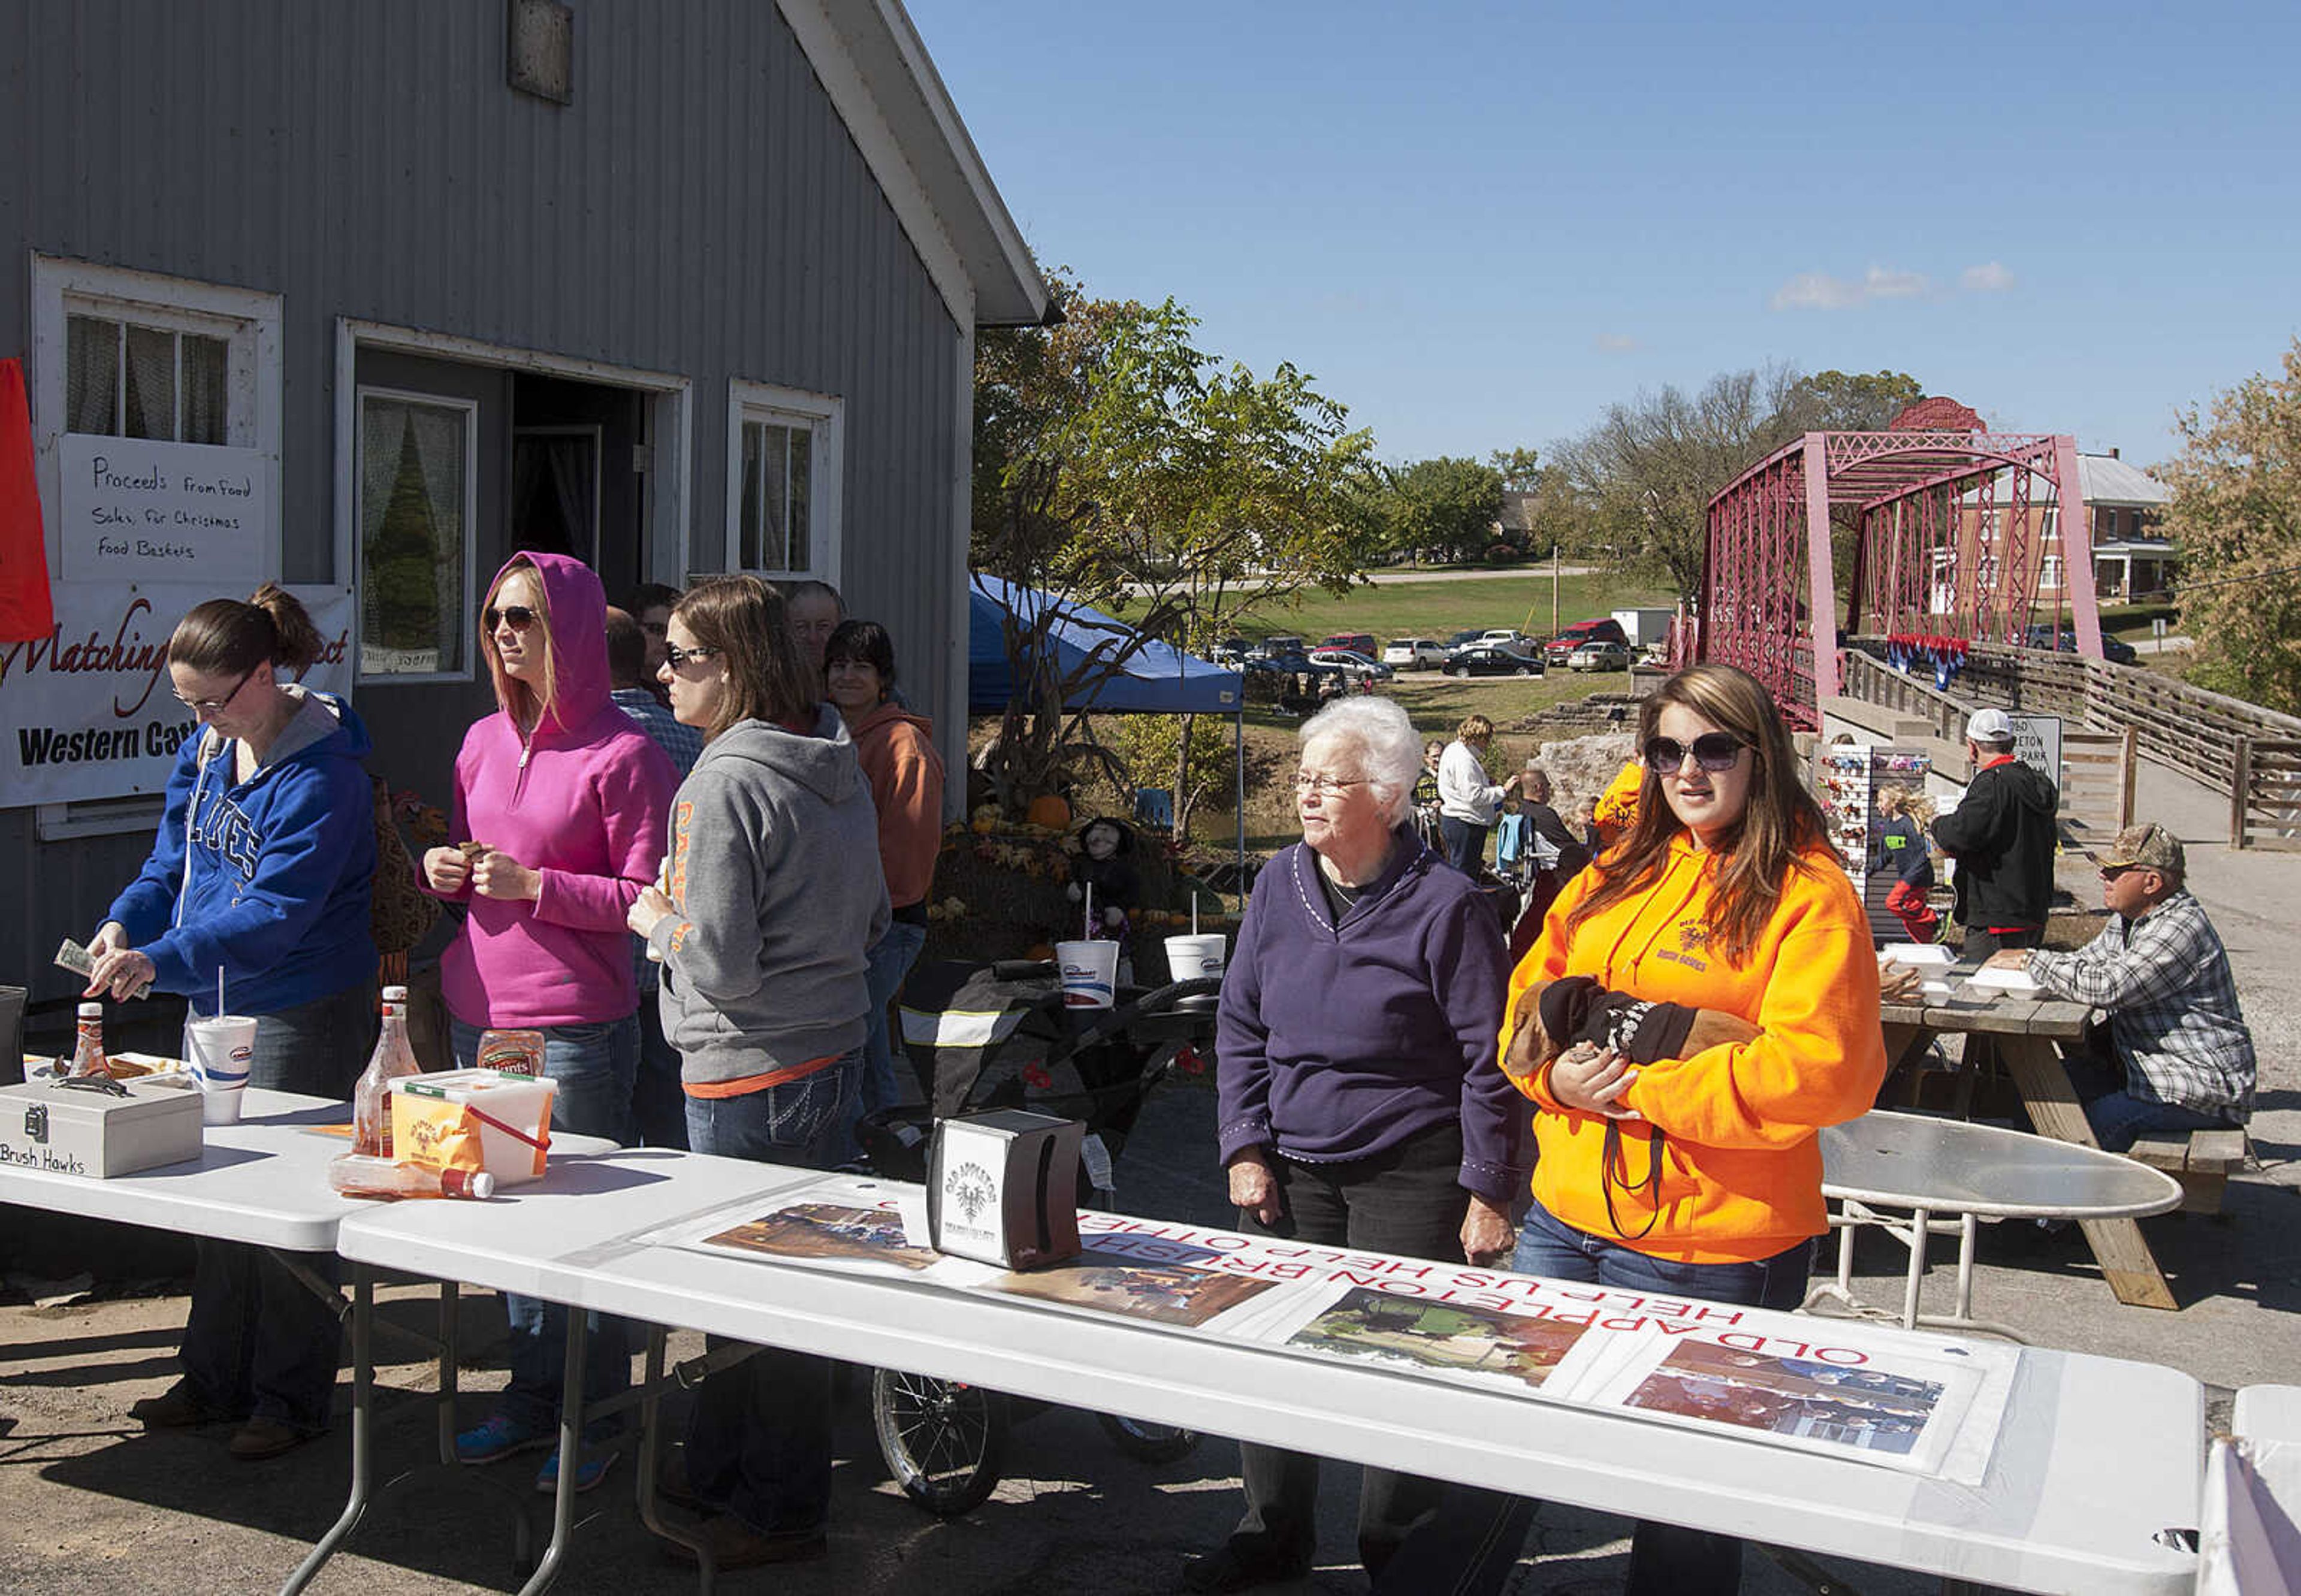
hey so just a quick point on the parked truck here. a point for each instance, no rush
(1646, 628)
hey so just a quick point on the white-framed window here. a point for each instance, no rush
(414, 502)
(783, 474)
(124, 354)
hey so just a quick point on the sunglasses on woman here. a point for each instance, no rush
(677, 656)
(520, 616)
(1713, 751)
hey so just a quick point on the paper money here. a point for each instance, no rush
(80, 961)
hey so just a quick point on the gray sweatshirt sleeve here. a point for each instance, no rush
(713, 943)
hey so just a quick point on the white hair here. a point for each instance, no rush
(1388, 748)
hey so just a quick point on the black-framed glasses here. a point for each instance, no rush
(1713, 751)
(216, 706)
(1305, 784)
(677, 657)
(519, 615)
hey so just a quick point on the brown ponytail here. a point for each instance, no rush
(230, 637)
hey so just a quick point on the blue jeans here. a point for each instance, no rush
(258, 1341)
(1665, 1558)
(891, 958)
(2119, 1119)
(1466, 844)
(758, 1440)
(591, 1068)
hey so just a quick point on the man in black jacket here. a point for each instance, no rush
(2001, 836)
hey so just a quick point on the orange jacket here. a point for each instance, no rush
(1741, 1167)
(898, 754)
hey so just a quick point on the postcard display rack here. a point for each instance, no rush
(1848, 780)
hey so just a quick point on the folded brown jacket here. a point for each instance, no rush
(1553, 1016)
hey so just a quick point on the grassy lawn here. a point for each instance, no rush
(1439, 609)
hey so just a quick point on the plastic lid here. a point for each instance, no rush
(395, 994)
(91, 1011)
(483, 1186)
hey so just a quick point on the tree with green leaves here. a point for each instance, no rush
(1120, 466)
(2235, 518)
(1444, 508)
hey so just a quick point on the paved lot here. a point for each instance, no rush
(94, 1506)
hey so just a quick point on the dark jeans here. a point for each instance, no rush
(1665, 1558)
(1414, 1534)
(591, 1068)
(758, 1440)
(658, 1103)
(2119, 1118)
(258, 1341)
(1466, 844)
(1981, 944)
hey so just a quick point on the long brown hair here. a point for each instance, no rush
(1780, 822)
(232, 636)
(527, 705)
(741, 620)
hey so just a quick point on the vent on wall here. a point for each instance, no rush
(541, 54)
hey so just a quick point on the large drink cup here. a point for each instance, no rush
(1089, 973)
(220, 1050)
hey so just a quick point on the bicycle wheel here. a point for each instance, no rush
(1147, 1442)
(944, 1441)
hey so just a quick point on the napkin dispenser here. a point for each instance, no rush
(1002, 1188)
(98, 1132)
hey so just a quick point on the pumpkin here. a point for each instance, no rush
(1050, 811)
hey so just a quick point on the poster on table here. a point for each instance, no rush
(88, 711)
(1924, 1404)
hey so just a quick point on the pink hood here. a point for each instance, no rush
(583, 801)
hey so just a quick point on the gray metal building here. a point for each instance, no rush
(678, 286)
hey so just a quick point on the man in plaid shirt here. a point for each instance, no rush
(2174, 1024)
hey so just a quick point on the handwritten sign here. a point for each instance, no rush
(135, 509)
(88, 712)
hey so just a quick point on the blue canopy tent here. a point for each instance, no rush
(1155, 678)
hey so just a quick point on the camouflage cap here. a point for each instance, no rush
(2148, 845)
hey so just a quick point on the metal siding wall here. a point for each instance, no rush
(699, 209)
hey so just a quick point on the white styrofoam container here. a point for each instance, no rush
(45, 1125)
(519, 1105)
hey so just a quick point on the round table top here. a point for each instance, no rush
(1913, 1160)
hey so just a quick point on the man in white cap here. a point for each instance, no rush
(2183, 1058)
(2001, 836)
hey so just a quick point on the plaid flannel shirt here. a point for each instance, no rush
(2173, 1014)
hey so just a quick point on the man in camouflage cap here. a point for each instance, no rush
(2183, 1058)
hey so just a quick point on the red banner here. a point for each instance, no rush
(26, 612)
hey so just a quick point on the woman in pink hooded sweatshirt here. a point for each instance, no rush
(563, 801)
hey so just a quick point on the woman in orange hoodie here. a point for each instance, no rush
(1701, 1176)
(898, 751)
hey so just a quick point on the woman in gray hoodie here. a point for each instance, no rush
(771, 895)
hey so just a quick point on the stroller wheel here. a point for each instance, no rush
(1147, 1442)
(944, 1441)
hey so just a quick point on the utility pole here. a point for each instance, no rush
(1553, 587)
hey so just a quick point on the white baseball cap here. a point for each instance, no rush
(1989, 725)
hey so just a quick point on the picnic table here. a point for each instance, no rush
(2023, 1034)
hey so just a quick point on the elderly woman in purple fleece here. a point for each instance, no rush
(1361, 1103)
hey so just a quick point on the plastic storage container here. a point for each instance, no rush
(441, 1119)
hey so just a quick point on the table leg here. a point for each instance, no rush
(1921, 1230)
(650, 1447)
(363, 1430)
(2117, 1244)
(450, 1311)
(571, 1455)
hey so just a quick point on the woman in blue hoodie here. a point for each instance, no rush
(262, 870)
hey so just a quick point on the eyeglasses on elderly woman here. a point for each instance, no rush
(1306, 783)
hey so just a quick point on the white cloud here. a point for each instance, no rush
(1616, 343)
(1819, 290)
(1990, 277)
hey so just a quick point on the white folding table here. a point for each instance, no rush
(1925, 1167)
(2096, 1456)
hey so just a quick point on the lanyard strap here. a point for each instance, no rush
(1651, 1185)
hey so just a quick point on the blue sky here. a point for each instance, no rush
(1478, 224)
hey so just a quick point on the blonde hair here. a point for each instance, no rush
(526, 706)
(1475, 728)
(1896, 801)
(1779, 821)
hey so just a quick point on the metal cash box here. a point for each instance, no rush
(65, 1130)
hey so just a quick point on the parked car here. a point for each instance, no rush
(2116, 650)
(1357, 642)
(1273, 647)
(1491, 659)
(1603, 629)
(1351, 664)
(1510, 637)
(1416, 654)
(1462, 639)
(1292, 662)
(1232, 651)
(1603, 654)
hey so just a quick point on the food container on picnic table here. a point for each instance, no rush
(473, 1120)
(86, 1131)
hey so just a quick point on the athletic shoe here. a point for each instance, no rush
(499, 1436)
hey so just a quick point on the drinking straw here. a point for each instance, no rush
(221, 1010)
(1195, 911)
(1089, 932)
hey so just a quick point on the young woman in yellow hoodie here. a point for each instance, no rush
(1701, 1176)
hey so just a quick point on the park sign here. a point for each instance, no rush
(2037, 744)
(88, 712)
